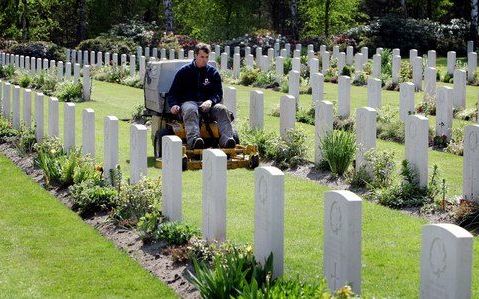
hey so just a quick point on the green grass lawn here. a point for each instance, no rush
(48, 251)
(391, 239)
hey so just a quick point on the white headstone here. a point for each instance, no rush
(217, 49)
(296, 64)
(107, 58)
(325, 62)
(283, 53)
(88, 132)
(214, 195)
(470, 175)
(287, 115)
(39, 110)
(269, 217)
(431, 58)
(60, 70)
(417, 143)
(341, 62)
(22, 61)
(470, 46)
(270, 54)
(147, 52)
(323, 125)
(99, 59)
(85, 57)
(374, 92)
(365, 134)
(417, 73)
(296, 54)
(256, 109)
(396, 51)
(229, 99)
(379, 51)
(142, 68)
(172, 54)
(191, 55)
(228, 51)
(313, 66)
(280, 65)
(259, 55)
(110, 146)
(76, 72)
(32, 65)
(344, 96)
(406, 100)
(287, 47)
(335, 51)
(138, 153)
(115, 59)
(236, 66)
(6, 100)
(451, 62)
(162, 53)
(446, 262)
(471, 65)
(396, 68)
(224, 61)
(69, 126)
(86, 83)
(27, 107)
(39, 64)
(172, 155)
(376, 71)
(155, 53)
(132, 65)
(16, 107)
(92, 58)
(68, 71)
(358, 63)
(317, 88)
(342, 240)
(412, 56)
(247, 51)
(349, 55)
(236, 50)
(68, 54)
(249, 61)
(27, 63)
(459, 99)
(53, 116)
(293, 84)
(444, 112)
(181, 54)
(123, 59)
(365, 52)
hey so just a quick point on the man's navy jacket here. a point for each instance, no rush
(195, 84)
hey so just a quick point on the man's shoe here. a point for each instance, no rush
(230, 143)
(198, 143)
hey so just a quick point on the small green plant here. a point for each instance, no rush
(262, 139)
(305, 116)
(148, 224)
(89, 197)
(69, 91)
(339, 148)
(360, 79)
(266, 80)
(6, 129)
(389, 125)
(382, 167)
(26, 140)
(134, 201)
(137, 115)
(175, 233)
(343, 123)
(25, 80)
(249, 76)
(290, 151)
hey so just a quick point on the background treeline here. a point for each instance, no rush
(359, 22)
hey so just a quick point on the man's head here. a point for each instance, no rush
(202, 52)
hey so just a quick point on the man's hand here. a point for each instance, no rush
(206, 105)
(175, 109)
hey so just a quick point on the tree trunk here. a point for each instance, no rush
(82, 22)
(474, 16)
(327, 15)
(168, 5)
(25, 23)
(293, 6)
(403, 7)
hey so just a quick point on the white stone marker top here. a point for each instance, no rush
(446, 262)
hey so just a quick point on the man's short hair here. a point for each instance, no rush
(202, 47)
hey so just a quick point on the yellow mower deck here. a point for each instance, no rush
(238, 157)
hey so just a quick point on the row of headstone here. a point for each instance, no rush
(446, 254)
(35, 65)
(11, 109)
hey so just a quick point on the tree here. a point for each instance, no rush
(168, 5)
(82, 24)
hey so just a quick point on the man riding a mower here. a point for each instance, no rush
(196, 91)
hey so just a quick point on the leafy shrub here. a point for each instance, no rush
(249, 76)
(408, 192)
(148, 224)
(467, 114)
(344, 124)
(132, 81)
(389, 125)
(262, 139)
(108, 44)
(427, 107)
(456, 144)
(290, 151)
(266, 80)
(7, 71)
(69, 91)
(39, 49)
(360, 79)
(6, 129)
(89, 197)
(137, 31)
(382, 166)
(45, 81)
(339, 148)
(26, 140)
(134, 201)
(305, 116)
(24, 80)
(230, 274)
(175, 233)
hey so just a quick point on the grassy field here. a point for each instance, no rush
(48, 251)
(391, 239)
